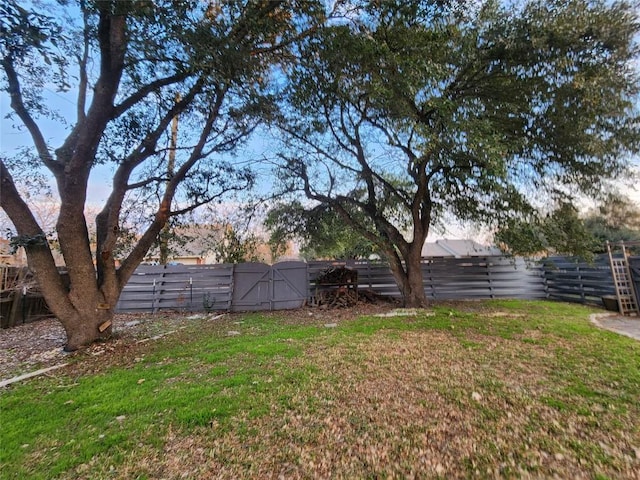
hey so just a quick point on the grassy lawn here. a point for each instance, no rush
(478, 389)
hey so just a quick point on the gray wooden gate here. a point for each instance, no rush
(290, 283)
(260, 287)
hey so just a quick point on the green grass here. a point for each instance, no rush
(184, 384)
(565, 381)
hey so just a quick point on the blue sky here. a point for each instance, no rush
(12, 139)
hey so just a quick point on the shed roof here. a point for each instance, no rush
(458, 249)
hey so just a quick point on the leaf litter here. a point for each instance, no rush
(418, 406)
(398, 404)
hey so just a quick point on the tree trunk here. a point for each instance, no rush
(83, 330)
(408, 276)
(413, 288)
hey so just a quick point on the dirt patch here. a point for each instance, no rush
(39, 344)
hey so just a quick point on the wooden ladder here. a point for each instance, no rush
(623, 282)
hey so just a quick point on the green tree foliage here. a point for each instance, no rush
(134, 66)
(233, 247)
(561, 232)
(616, 219)
(565, 232)
(320, 231)
(474, 109)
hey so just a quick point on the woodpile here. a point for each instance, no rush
(336, 287)
(345, 297)
(337, 276)
(340, 297)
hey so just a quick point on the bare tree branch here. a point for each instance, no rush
(17, 104)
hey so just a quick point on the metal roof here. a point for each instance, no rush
(458, 249)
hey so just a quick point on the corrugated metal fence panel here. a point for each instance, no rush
(573, 281)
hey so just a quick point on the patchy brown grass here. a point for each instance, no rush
(419, 405)
(477, 390)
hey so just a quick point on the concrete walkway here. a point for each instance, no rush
(624, 325)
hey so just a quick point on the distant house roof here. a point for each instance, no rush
(194, 242)
(458, 248)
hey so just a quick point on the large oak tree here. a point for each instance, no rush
(134, 67)
(481, 109)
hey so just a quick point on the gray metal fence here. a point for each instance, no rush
(570, 280)
(482, 277)
(452, 278)
(178, 287)
(288, 285)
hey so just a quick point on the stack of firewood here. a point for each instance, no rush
(337, 276)
(337, 287)
(340, 297)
